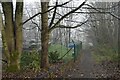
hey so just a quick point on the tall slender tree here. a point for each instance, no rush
(44, 35)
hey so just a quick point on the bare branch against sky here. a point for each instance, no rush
(58, 0)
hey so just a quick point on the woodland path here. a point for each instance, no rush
(85, 67)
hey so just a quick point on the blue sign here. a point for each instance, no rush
(71, 45)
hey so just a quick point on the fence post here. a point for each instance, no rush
(74, 50)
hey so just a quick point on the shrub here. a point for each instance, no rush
(54, 56)
(30, 60)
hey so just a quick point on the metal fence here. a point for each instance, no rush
(77, 49)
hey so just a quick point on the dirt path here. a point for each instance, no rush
(85, 68)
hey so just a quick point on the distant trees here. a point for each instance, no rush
(104, 26)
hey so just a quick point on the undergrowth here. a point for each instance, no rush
(104, 52)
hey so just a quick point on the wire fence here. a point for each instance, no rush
(78, 48)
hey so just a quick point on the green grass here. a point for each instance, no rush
(61, 50)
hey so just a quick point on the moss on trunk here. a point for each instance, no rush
(14, 66)
(12, 35)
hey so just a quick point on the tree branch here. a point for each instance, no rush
(55, 25)
(45, 12)
(30, 28)
(53, 17)
(33, 22)
(60, 15)
(90, 8)
(93, 12)
(101, 11)
(63, 26)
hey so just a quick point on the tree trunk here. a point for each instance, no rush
(119, 31)
(18, 31)
(4, 44)
(8, 12)
(44, 36)
(7, 33)
(12, 35)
